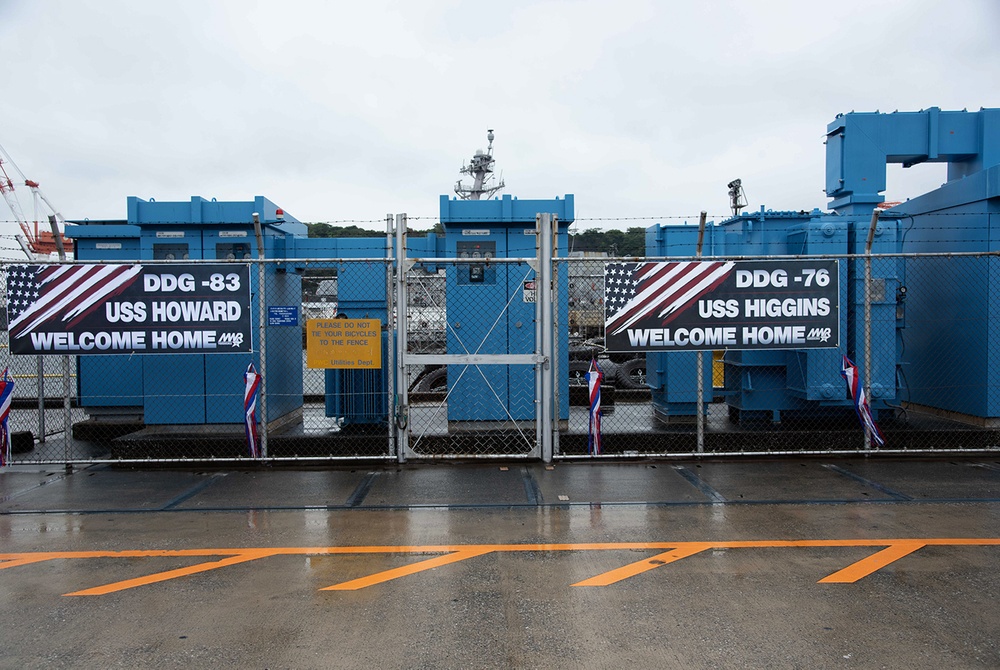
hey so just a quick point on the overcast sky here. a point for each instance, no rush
(346, 111)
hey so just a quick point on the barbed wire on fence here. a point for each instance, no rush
(621, 217)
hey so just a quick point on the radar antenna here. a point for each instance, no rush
(480, 168)
(737, 198)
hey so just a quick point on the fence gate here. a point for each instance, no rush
(473, 357)
(472, 369)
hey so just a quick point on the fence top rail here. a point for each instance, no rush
(275, 261)
(778, 257)
(517, 261)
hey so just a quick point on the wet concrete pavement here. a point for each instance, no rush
(670, 564)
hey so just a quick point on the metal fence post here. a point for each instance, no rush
(66, 362)
(402, 392)
(41, 399)
(539, 371)
(868, 319)
(554, 309)
(700, 360)
(261, 333)
(544, 296)
(67, 418)
(389, 365)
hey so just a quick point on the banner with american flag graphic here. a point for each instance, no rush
(720, 304)
(129, 309)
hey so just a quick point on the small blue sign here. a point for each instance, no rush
(283, 316)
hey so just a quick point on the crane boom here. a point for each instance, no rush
(7, 190)
(40, 243)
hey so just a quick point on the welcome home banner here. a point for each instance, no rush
(706, 305)
(129, 309)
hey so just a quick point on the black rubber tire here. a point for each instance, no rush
(22, 442)
(632, 374)
(427, 369)
(434, 381)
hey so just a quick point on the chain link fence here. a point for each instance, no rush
(464, 379)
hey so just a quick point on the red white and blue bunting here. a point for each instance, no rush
(850, 373)
(250, 393)
(6, 394)
(594, 378)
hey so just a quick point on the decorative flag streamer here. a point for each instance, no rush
(6, 394)
(250, 393)
(861, 406)
(594, 378)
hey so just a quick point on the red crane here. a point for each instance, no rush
(36, 243)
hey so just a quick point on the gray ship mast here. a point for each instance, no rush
(480, 168)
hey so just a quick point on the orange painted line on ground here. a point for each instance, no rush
(450, 548)
(777, 544)
(672, 551)
(413, 568)
(243, 557)
(24, 560)
(132, 553)
(873, 563)
(639, 567)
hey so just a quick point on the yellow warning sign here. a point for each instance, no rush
(345, 344)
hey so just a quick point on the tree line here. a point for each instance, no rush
(630, 242)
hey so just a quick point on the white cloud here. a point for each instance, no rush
(350, 110)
